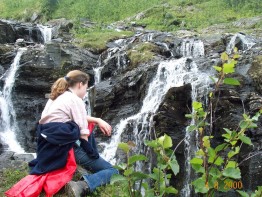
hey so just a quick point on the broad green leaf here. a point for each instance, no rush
(121, 166)
(227, 136)
(222, 185)
(232, 173)
(255, 117)
(224, 56)
(233, 143)
(197, 105)
(245, 139)
(211, 94)
(198, 168)
(174, 166)
(171, 190)
(165, 141)
(136, 158)
(152, 143)
(117, 178)
(200, 152)
(243, 194)
(124, 147)
(228, 131)
(258, 192)
(231, 164)
(219, 161)
(235, 49)
(191, 128)
(231, 81)
(128, 171)
(200, 185)
(245, 116)
(206, 141)
(149, 192)
(189, 116)
(236, 56)
(211, 154)
(228, 68)
(221, 147)
(201, 113)
(233, 153)
(244, 124)
(252, 125)
(196, 161)
(217, 68)
(214, 172)
(138, 176)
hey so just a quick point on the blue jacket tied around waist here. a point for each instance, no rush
(55, 139)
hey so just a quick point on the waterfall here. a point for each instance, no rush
(191, 47)
(246, 42)
(46, 32)
(199, 89)
(8, 117)
(173, 73)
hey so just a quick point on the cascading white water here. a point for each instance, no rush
(46, 32)
(191, 47)
(8, 122)
(199, 88)
(247, 43)
(172, 73)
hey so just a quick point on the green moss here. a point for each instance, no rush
(8, 177)
(142, 53)
(97, 40)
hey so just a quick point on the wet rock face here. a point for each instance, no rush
(11, 31)
(121, 92)
(255, 73)
(7, 34)
(39, 69)
(170, 119)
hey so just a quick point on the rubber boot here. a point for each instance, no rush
(76, 189)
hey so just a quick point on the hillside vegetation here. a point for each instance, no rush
(166, 15)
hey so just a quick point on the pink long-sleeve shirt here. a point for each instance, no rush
(66, 107)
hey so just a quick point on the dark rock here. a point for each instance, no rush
(7, 33)
(255, 73)
(170, 119)
(13, 160)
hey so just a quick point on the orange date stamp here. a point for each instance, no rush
(227, 185)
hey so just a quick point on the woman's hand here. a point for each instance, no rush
(104, 127)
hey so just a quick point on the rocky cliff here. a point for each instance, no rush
(125, 81)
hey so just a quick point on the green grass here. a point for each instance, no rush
(101, 11)
(143, 52)
(165, 15)
(9, 177)
(178, 15)
(97, 39)
(19, 9)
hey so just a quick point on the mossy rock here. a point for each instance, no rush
(255, 72)
(142, 53)
(5, 48)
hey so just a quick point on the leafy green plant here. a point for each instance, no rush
(257, 193)
(217, 166)
(155, 183)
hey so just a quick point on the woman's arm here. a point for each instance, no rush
(103, 125)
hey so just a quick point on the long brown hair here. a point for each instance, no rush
(63, 83)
